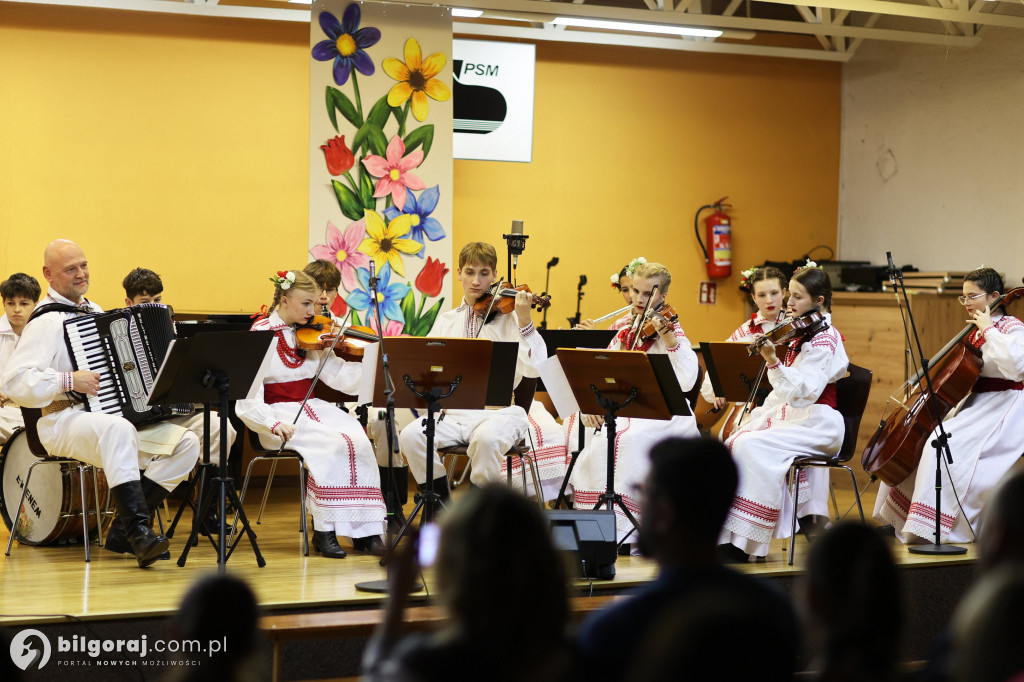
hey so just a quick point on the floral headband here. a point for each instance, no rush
(630, 269)
(808, 264)
(745, 277)
(283, 280)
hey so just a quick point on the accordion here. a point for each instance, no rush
(125, 347)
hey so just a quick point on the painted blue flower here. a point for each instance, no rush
(390, 297)
(347, 44)
(422, 224)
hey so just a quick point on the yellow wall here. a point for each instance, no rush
(179, 143)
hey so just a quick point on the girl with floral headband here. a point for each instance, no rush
(799, 417)
(343, 489)
(767, 287)
(985, 434)
(623, 282)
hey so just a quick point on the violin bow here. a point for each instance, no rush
(319, 369)
(643, 318)
(494, 299)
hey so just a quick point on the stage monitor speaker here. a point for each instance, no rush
(588, 535)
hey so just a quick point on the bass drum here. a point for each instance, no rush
(53, 503)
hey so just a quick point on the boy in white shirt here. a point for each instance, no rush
(20, 293)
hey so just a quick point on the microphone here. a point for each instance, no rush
(516, 241)
(373, 277)
(583, 280)
(553, 262)
(892, 267)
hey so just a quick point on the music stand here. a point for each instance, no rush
(215, 367)
(573, 338)
(626, 383)
(735, 374)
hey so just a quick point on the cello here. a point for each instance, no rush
(896, 447)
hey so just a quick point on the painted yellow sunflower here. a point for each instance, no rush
(416, 79)
(383, 243)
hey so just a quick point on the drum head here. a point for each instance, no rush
(44, 515)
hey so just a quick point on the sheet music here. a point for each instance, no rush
(550, 370)
(368, 379)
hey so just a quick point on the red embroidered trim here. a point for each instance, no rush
(758, 511)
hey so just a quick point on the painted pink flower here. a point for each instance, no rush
(343, 250)
(393, 171)
(392, 328)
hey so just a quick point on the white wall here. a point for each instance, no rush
(932, 164)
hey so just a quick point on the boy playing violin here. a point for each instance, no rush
(488, 434)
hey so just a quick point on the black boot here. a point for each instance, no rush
(371, 544)
(132, 513)
(116, 540)
(400, 495)
(442, 489)
(326, 542)
(731, 554)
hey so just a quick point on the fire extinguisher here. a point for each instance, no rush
(719, 238)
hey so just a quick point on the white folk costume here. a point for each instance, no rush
(488, 434)
(813, 495)
(343, 492)
(39, 373)
(634, 438)
(986, 439)
(547, 442)
(10, 414)
(622, 322)
(797, 418)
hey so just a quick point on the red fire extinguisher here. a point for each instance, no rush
(719, 239)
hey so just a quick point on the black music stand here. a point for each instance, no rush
(215, 367)
(573, 338)
(626, 383)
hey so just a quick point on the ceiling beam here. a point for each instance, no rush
(632, 40)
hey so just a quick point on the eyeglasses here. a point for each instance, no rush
(965, 299)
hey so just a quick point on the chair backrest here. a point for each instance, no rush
(31, 416)
(851, 399)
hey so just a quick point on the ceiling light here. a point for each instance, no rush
(639, 28)
(300, 2)
(468, 13)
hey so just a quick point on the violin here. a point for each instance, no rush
(666, 312)
(503, 300)
(317, 334)
(807, 324)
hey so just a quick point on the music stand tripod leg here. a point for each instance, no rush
(609, 497)
(427, 499)
(572, 464)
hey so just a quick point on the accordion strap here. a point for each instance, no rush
(55, 308)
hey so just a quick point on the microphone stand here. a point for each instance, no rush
(941, 442)
(382, 586)
(516, 243)
(575, 320)
(547, 286)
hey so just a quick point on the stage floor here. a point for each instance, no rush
(49, 584)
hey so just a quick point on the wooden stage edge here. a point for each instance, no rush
(55, 585)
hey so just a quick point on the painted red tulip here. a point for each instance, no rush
(431, 277)
(339, 156)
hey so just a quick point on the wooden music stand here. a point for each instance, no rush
(732, 371)
(431, 369)
(626, 383)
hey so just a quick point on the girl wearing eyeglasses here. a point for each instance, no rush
(985, 434)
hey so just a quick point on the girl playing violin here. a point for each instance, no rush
(797, 418)
(635, 437)
(343, 489)
(985, 434)
(488, 434)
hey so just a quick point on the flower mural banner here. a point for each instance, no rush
(380, 158)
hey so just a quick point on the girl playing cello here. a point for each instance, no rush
(343, 489)
(985, 434)
(798, 417)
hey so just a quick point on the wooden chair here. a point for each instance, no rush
(523, 398)
(851, 399)
(32, 416)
